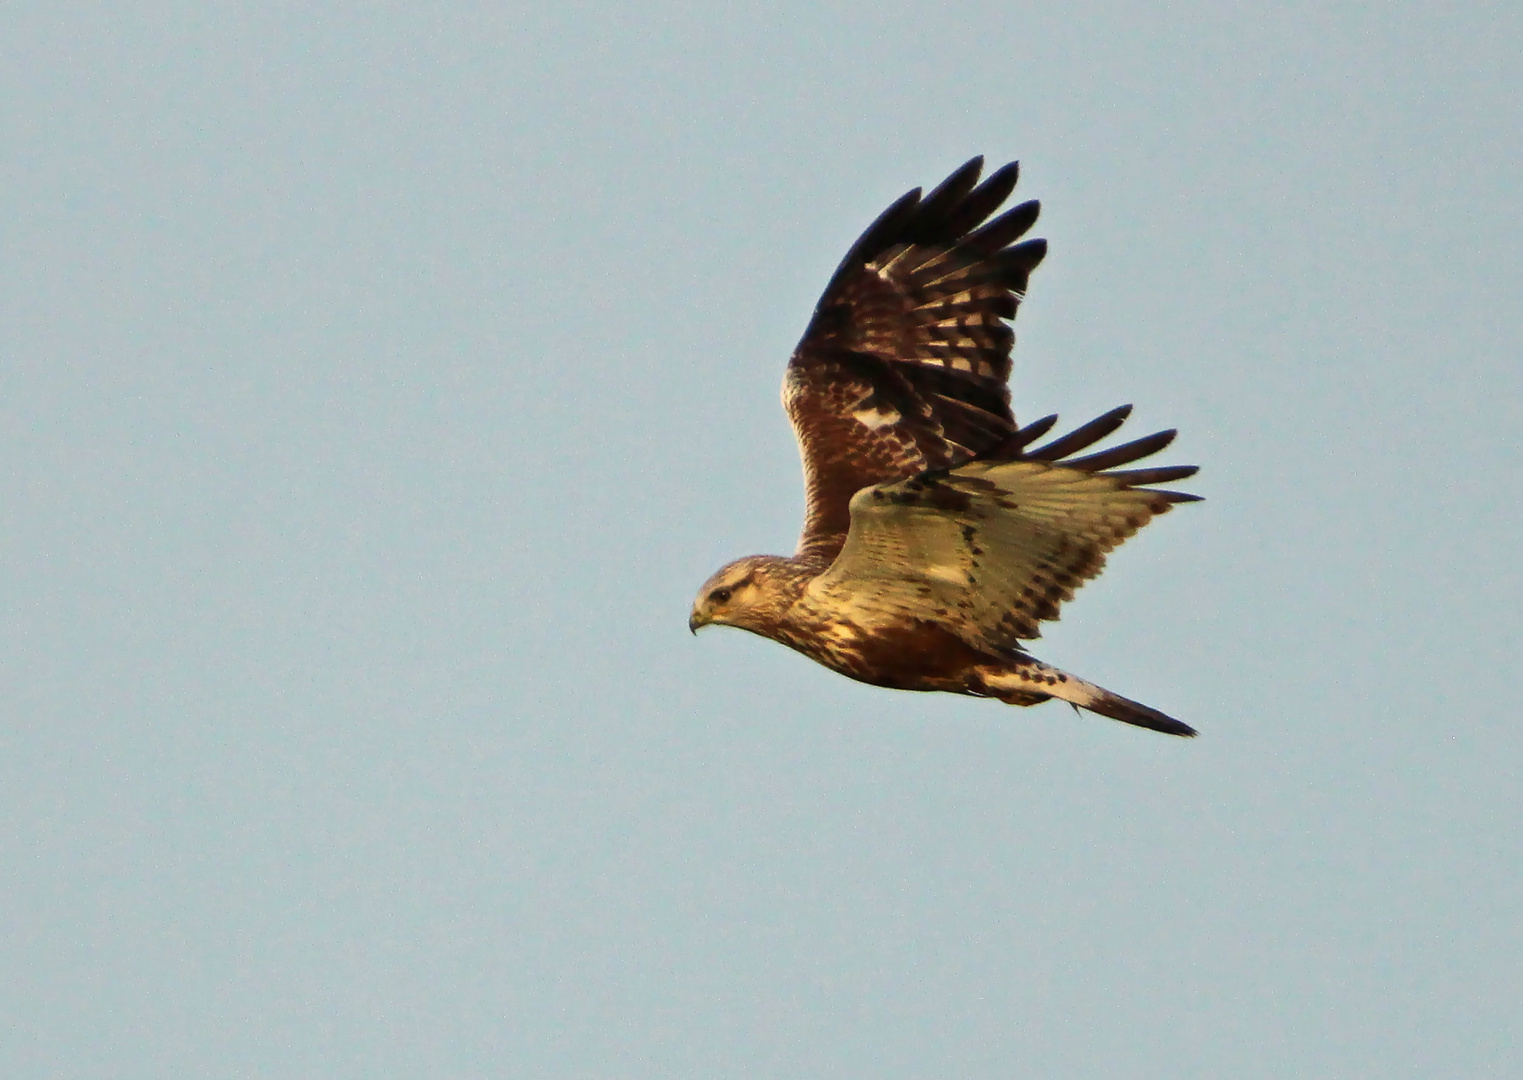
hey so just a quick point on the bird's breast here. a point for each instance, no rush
(904, 653)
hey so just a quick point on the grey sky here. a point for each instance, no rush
(378, 383)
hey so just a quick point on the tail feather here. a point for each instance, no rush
(1033, 682)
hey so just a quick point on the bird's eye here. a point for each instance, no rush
(720, 596)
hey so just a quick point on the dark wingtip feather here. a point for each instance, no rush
(1011, 447)
(879, 234)
(984, 199)
(1034, 430)
(1162, 474)
(1085, 435)
(938, 208)
(1006, 228)
(1023, 257)
(1124, 454)
(964, 179)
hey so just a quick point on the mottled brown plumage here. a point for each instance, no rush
(936, 537)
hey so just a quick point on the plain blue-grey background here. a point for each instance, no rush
(378, 382)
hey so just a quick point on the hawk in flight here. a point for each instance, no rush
(938, 533)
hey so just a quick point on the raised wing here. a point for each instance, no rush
(904, 366)
(993, 547)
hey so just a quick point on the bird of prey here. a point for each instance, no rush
(938, 534)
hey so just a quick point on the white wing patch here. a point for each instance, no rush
(956, 575)
(880, 416)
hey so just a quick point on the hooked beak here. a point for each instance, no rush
(694, 621)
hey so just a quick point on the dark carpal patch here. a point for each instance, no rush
(948, 498)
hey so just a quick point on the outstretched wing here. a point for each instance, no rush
(904, 366)
(993, 547)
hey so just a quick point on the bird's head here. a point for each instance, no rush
(744, 593)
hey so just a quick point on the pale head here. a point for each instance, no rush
(751, 593)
